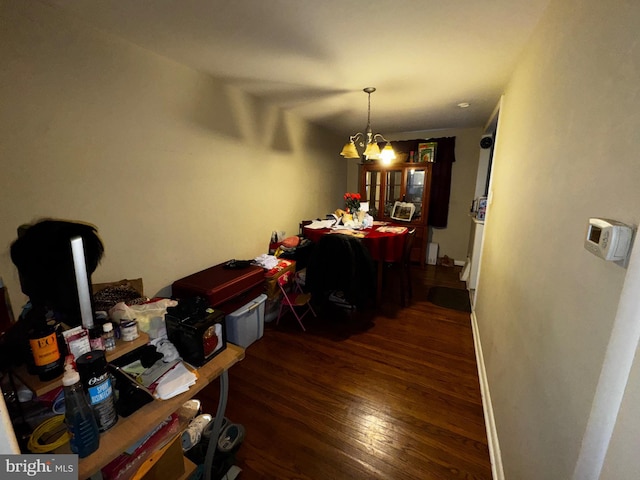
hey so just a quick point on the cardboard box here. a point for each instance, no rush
(163, 464)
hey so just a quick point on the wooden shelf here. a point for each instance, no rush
(40, 388)
(122, 347)
(189, 468)
(129, 430)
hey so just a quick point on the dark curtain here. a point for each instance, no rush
(441, 181)
(441, 176)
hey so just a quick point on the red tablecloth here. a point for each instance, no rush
(383, 246)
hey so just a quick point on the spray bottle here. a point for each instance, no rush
(81, 422)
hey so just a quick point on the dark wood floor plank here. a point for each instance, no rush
(389, 394)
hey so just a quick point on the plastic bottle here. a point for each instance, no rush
(95, 338)
(92, 367)
(44, 347)
(81, 422)
(108, 337)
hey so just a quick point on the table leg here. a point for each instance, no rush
(379, 283)
(217, 423)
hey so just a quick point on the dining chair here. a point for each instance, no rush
(303, 224)
(404, 268)
(342, 263)
(406, 290)
(294, 299)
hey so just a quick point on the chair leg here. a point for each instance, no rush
(406, 289)
(280, 313)
(403, 288)
(299, 319)
(292, 308)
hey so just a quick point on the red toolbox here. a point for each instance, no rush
(226, 288)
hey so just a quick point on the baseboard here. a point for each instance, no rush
(489, 420)
(459, 263)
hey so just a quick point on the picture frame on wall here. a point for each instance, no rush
(427, 152)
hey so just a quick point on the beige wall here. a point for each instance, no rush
(177, 170)
(453, 241)
(567, 149)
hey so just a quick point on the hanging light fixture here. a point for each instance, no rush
(368, 140)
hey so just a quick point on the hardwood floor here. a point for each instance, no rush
(392, 394)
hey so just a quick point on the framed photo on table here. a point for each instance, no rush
(403, 211)
(427, 152)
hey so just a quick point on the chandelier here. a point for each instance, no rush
(368, 141)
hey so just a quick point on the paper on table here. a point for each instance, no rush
(351, 232)
(392, 229)
(318, 224)
(175, 381)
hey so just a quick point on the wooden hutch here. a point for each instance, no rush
(401, 181)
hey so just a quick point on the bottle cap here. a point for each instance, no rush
(107, 327)
(70, 377)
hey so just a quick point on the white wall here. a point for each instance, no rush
(566, 150)
(177, 170)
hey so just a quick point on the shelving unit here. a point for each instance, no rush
(40, 388)
(129, 430)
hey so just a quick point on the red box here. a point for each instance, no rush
(225, 288)
(271, 276)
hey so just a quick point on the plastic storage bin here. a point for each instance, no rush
(246, 325)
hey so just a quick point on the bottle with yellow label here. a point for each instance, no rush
(47, 358)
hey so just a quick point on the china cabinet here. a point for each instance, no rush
(384, 185)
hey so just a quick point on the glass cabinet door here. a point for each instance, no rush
(393, 190)
(372, 187)
(414, 189)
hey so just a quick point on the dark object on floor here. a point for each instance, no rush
(447, 297)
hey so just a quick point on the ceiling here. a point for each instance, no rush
(314, 57)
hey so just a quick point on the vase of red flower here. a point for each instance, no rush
(352, 203)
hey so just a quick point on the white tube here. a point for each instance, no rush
(80, 267)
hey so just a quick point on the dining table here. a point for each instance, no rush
(384, 241)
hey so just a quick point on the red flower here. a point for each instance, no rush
(352, 202)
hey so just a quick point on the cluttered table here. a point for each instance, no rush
(384, 242)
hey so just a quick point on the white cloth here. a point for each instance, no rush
(266, 261)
